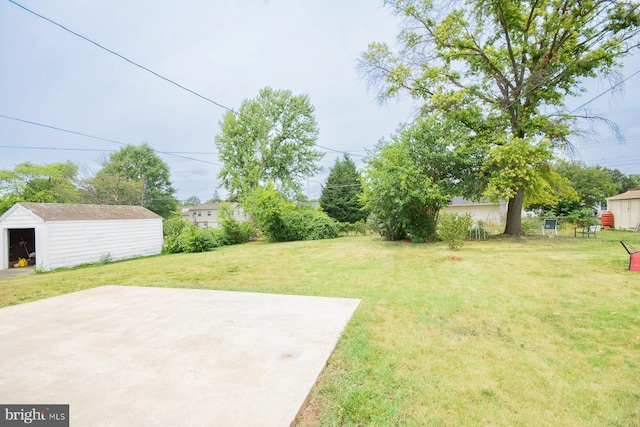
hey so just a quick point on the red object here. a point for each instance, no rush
(607, 219)
(634, 261)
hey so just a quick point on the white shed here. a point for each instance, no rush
(626, 209)
(52, 235)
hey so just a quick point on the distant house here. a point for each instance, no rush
(52, 235)
(488, 212)
(206, 215)
(626, 209)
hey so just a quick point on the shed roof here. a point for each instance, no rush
(75, 212)
(633, 194)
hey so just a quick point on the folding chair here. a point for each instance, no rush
(549, 227)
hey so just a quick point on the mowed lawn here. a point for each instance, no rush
(506, 331)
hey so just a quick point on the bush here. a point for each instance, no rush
(194, 239)
(238, 232)
(172, 227)
(283, 221)
(583, 217)
(453, 228)
(353, 227)
(309, 224)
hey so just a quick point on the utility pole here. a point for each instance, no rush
(142, 193)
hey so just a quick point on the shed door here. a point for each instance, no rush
(22, 244)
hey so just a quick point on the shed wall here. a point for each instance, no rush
(77, 242)
(626, 212)
(21, 218)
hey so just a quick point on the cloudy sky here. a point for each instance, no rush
(225, 50)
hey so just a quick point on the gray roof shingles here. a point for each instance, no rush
(77, 212)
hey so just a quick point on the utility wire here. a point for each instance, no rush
(130, 61)
(168, 153)
(26, 147)
(60, 129)
(168, 80)
(604, 92)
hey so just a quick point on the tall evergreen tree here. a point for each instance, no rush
(340, 197)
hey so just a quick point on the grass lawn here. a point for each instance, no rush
(532, 331)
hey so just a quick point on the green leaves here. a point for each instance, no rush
(510, 62)
(272, 138)
(341, 193)
(135, 174)
(49, 183)
(408, 179)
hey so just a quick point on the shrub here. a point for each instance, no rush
(353, 227)
(309, 224)
(283, 221)
(583, 217)
(194, 239)
(453, 228)
(172, 227)
(236, 232)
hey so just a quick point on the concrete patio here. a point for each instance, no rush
(127, 356)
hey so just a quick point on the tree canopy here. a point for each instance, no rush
(505, 68)
(134, 175)
(409, 179)
(28, 182)
(341, 193)
(271, 139)
(593, 184)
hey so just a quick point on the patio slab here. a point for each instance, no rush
(126, 356)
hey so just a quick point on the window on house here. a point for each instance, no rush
(199, 213)
(208, 213)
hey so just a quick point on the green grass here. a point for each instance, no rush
(532, 331)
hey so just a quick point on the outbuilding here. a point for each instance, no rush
(625, 208)
(52, 235)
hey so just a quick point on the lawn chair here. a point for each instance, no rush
(549, 227)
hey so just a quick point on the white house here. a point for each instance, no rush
(52, 235)
(206, 215)
(626, 209)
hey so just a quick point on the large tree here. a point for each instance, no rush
(506, 64)
(341, 194)
(28, 182)
(271, 139)
(134, 175)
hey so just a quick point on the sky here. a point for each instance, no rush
(225, 50)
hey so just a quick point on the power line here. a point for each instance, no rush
(168, 153)
(60, 129)
(604, 92)
(26, 147)
(168, 80)
(130, 61)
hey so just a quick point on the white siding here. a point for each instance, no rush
(20, 218)
(626, 212)
(15, 218)
(77, 242)
(490, 214)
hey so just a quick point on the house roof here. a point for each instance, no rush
(205, 207)
(461, 201)
(633, 194)
(75, 212)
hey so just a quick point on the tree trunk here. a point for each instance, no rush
(514, 214)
